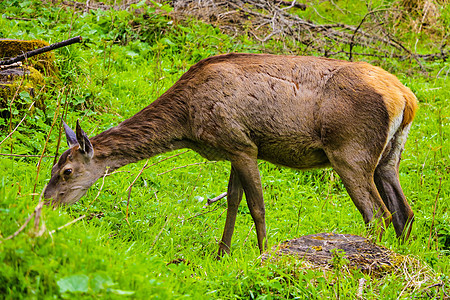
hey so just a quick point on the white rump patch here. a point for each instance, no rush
(393, 128)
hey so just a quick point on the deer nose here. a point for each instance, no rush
(47, 194)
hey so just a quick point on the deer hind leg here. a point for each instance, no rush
(356, 170)
(234, 197)
(246, 167)
(388, 185)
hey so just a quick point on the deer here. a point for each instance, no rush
(300, 112)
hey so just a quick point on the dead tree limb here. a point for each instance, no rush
(269, 21)
(215, 199)
(291, 4)
(31, 53)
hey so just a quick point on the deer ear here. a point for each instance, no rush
(71, 137)
(83, 141)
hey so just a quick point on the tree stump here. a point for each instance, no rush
(20, 77)
(316, 250)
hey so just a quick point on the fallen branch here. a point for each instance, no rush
(21, 228)
(202, 213)
(130, 187)
(291, 4)
(194, 164)
(269, 21)
(215, 199)
(36, 213)
(11, 133)
(25, 155)
(51, 47)
(68, 224)
(17, 18)
(14, 65)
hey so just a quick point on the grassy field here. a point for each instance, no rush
(163, 244)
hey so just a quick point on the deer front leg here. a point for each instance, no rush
(234, 197)
(246, 168)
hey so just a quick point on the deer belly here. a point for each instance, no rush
(294, 157)
(208, 152)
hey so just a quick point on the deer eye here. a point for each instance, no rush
(67, 172)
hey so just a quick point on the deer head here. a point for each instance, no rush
(75, 171)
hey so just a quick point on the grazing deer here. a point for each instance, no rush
(299, 112)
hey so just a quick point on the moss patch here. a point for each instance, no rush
(44, 62)
(11, 81)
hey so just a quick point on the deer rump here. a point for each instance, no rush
(299, 112)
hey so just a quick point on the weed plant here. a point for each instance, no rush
(161, 242)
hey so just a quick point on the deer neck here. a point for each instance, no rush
(156, 129)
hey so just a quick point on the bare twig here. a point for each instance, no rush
(35, 213)
(361, 283)
(51, 47)
(130, 187)
(20, 228)
(24, 155)
(140, 173)
(248, 234)
(194, 164)
(291, 4)
(434, 211)
(329, 190)
(17, 18)
(100, 190)
(215, 199)
(11, 104)
(413, 55)
(11, 133)
(68, 224)
(352, 41)
(15, 65)
(55, 117)
(164, 159)
(195, 183)
(267, 37)
(158, 235)
(202, 213)
(423, 167)
(38, 211)
(60, 131)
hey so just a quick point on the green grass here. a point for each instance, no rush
(167, 247)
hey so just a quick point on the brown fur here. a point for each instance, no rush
(300, 112)
(397, 97)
